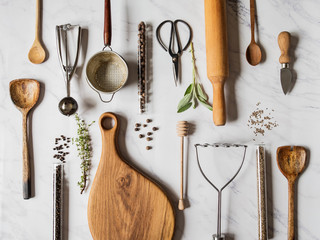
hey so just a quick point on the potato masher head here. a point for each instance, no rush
(220, 236)
(67, 105)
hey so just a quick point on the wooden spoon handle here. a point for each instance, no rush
(252, 18)
(26, 162)
(38, 18)
(107, 23)
(291, 211)
(284, 45)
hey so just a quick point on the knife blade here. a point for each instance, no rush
(285, 72)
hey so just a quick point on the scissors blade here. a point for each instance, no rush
(175, 66)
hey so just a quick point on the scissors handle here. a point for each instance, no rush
(174, 35)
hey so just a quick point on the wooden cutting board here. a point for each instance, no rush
(123, 203)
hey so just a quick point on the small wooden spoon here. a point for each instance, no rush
(291, 162)
(37, 54)
(24, 94)
(253, 53)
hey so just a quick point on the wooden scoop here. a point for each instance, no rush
(291, 162)
(217, 55)
(123, 203)
(37, 54)
(24, 94)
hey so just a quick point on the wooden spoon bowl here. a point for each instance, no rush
(291, 162)
(25, 94)
(37, 54)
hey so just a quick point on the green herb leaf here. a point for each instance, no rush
(185, 107)
(189, 89)
(204, 103)
(185, 100)
(200, 92)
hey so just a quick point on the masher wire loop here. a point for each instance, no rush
(216, 145)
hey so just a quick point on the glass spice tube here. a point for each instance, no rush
(57, 200)
(262, 192)
(142, 67)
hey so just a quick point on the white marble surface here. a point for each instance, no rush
(297, 114)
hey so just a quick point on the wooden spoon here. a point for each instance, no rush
(291, 162)
(253, 53)
(37, 54)
(24, 94)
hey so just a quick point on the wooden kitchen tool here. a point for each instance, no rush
(291, 162)
(217, 55)
(182, 131)
(253, 53)
(123, 203)
(37, 54)
(25, 94)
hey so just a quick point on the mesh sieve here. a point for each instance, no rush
(107, 71)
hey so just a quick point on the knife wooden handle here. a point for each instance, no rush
(217, 54)
(284, 44)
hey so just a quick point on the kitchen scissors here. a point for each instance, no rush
(174, 39)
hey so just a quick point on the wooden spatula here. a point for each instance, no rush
(123, 203)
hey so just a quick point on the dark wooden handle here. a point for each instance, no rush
(284, 44)
(252, 18)
(291, 211)
(26, 162)
(107, 23)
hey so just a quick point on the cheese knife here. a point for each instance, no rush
(285, 72)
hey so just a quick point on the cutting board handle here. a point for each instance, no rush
(284, 45)
(108, 123)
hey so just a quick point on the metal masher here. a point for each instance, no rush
(220, 236)
(67, 105)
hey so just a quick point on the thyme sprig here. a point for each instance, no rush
(84, 148)
(194, 92)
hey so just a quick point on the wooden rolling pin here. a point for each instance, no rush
(217, 55)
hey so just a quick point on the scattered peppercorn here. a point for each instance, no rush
(148, 147)
(149, 138)
(148, 120)
(149, 133)
(154, 128)
(141, 135)
(138, 124)
(145, 125)
(137, 129)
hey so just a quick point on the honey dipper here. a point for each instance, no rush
(182, 131)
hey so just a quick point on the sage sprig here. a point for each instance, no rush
(194, 92)
(84, 148)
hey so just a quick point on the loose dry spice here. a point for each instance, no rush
(58, 200)
(261, 120)
(61, 143)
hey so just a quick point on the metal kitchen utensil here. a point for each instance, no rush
(292, 160)
(174, 41)
(67, 105)
(253, 53)
(285, 72)
(107, 71)
(142, 67)
(220, 236)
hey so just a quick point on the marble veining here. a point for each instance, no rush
(297, 114)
